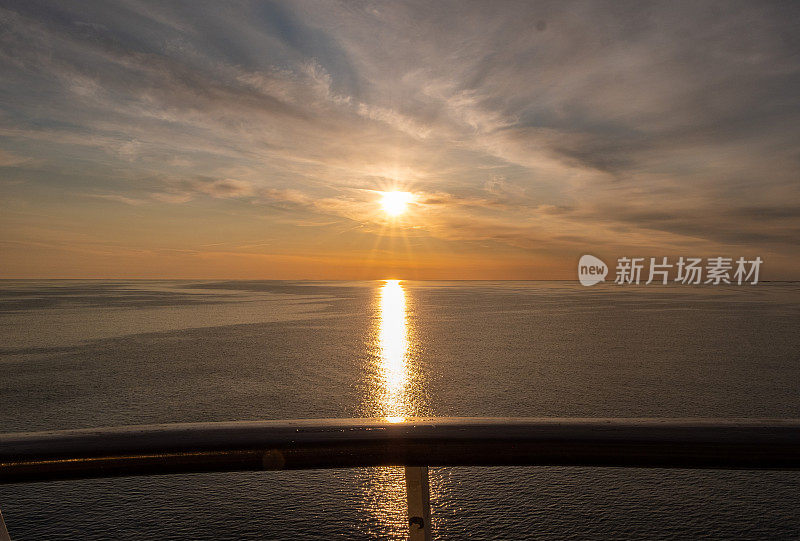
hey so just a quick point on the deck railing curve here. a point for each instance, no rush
(413, 443)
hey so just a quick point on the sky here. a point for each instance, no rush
(253, 139)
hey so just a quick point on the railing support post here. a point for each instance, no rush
(3, 531)
(418, 493)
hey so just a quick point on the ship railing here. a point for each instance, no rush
(415, 444)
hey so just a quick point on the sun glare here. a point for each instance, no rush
(395, 203)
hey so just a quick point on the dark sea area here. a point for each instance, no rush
(77, 354)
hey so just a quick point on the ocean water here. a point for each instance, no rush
(87, 353)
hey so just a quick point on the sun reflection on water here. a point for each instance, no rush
(384, 498)
(393, 345)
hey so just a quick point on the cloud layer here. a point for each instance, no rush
(529, 132)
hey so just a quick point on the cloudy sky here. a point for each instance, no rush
(252, 139)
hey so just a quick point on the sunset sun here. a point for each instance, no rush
(395, 203)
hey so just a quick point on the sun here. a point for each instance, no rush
(395, 203)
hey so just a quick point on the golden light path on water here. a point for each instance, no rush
(393, 341)
(385, 497)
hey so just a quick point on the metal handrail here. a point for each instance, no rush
(415, 444)
(345, 443)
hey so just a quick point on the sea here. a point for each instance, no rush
(78, 354)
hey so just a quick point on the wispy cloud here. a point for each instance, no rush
(554, 127)
(10, 159)
(118, 198)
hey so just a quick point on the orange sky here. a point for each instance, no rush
(254, 141)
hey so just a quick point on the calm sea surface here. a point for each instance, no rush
(86, 354)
